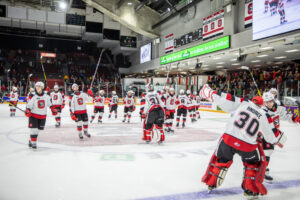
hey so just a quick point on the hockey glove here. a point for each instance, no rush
(63, 106)
(296, 119)
(143, 116)
(54, 111)
(90, 92)
(168, 113)
(73, 117)
(133, 108)
(206, 92)
(28, 113)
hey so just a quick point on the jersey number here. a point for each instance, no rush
(80, 101)
(115, 100)
(252, 126)
(41, 104)
(154, 101)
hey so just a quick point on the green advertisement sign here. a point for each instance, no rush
(209, 47)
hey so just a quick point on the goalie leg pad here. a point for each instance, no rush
(216, 172)
(252, 181)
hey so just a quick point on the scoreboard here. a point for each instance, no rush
(188, 38)
(128, 41)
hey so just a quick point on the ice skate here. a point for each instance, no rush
(80, 136)
(124, 120)
(183, 125)
(268, 178)
(109, 116)
(57, 125)
(177, 125)
(87, 134)
(116, 116)
(99, 121)
(171, 130)
(29, 144)
(250, 195)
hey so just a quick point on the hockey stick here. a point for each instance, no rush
(97, 67)
(28, 80)
(247, 68)
(13, 105)
(43, 69)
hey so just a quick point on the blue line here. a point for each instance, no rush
(223, 192)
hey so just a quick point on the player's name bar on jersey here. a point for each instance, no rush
(48, 55)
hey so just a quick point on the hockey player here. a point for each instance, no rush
(99, 106)
(240, 136)
(194, 106)
(113, 104)
(154, 115)
(36, 111)
(142, 105)
(58, 102)
(281, 12)
(78, 110)
(198, 102)
(181, 102)
(277, 113)
(13, 101)
(170, 110)
(129, 105)
(266, 6)
(31, 92)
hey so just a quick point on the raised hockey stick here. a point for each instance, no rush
(247, 68)
(28, 80)
(97, 68)
(13, 105)
(43, 70)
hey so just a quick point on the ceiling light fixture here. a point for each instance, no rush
(280, 57)
(266, 48)
(261, 56)
(62, 5)
(255, 61)
(292, 50)
(220, 63)
(236, 63)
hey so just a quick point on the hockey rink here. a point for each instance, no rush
(116, 164)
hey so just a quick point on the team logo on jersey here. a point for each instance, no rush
(41, 104)
(237, 144)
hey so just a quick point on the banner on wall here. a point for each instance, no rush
(248, 13)
(213, 25)
(169, 43)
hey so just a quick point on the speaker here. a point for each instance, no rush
(2, 11)
(198, 66)
(242, 58)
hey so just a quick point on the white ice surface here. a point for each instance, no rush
(61, 172)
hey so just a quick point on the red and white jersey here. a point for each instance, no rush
(128, 101)
(246, 121)
(171, 102)
(182, 101)
(190, 103)
(78, 103)
(279, 113)
(194, 100)
(57, 98)
(30, 94)
(99, 101)
(152, 100)
(281, 6)
(13, 96)
(114, 100)
(38, 105)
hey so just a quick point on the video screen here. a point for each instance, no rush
(146, 53)
(273, 17)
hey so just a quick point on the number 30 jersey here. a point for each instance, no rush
(152, 100)
(246, 122)
(38, 105)
(78, 103)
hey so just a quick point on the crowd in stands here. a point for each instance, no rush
(239, 83)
